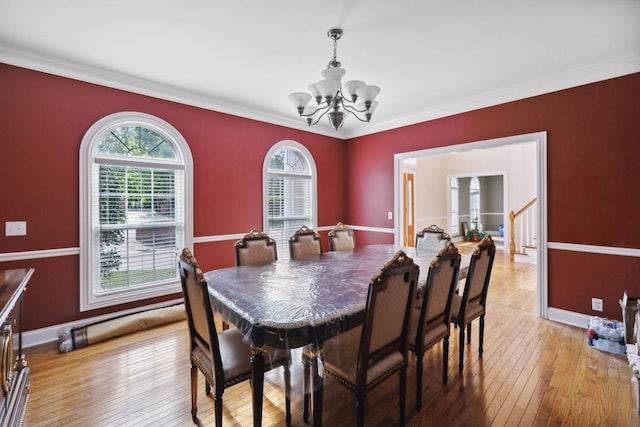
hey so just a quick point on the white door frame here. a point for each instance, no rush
(540, 139)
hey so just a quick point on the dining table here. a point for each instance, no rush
(291, 303)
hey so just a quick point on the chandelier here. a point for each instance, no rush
(334, 99)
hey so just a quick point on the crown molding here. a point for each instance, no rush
(577, 76)
(102, 77)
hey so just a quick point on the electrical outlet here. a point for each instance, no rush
(596, 304)
(15, 228)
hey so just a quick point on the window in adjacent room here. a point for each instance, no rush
(454, 206)
(474, 203)
(289, 192)
(135, 196)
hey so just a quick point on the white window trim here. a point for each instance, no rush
(88, 257)
(265, 181)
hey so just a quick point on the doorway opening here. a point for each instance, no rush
(438, 189)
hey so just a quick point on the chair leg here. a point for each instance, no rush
(207, 387)
(194, 393)
(461, 349)
(481, 332)
(287, 392)
(360, 399)
(306, 388)
(403, 390)
(469, 332)
(218, 409)
(445, 360)
(418, 381)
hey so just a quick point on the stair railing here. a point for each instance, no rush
(522, 229)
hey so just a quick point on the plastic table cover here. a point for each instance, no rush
(292, 303)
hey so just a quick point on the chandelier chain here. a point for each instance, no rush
(334, 62)
(335, 51)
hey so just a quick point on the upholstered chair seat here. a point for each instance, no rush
(341, 356)
(472, 311)
(433, 335)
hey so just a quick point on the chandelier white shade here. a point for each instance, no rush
(334, 99)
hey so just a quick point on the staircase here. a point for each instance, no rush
(523, 245)
(528, 254)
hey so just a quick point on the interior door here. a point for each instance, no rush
(408, 215)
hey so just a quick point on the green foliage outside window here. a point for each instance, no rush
(111, 212)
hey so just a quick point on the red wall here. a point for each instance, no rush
(43, 119)
(593, 177)
(593, 154)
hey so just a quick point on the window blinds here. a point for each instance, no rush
(289, 207)
(139, 225)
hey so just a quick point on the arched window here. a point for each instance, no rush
(474, 203)
(289, 192)
(136, 209)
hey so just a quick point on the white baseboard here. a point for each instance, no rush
(568, 317)
(51, 333)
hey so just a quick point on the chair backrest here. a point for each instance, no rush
(431, 239)
(185, 258)
(477, 283)
(304, 243)
(389, 303)
(255, 248)
(342, 238)
(203, 336)
(439, 288)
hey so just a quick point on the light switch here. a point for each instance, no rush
(389, 215)
(15, 228)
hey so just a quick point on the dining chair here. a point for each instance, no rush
(223, 358)
(430, 320)
(472, 303)
(365, 356)
(342, 238)
(305, 242)
(255, 248)
(431, 239)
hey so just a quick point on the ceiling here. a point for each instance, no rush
(430, 58)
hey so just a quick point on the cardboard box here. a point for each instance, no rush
(629, 307)
(637, 328)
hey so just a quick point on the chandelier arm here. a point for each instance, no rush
(325, 108)
(354, 111)
(356, 116)
(346, 102)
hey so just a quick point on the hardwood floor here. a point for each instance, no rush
(533, 373)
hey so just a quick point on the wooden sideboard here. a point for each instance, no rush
(14, 373)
